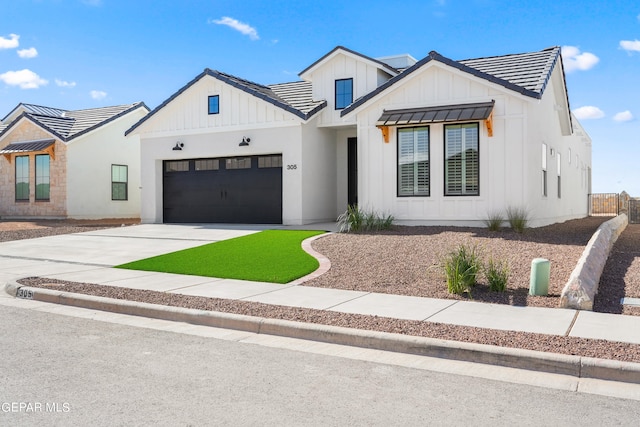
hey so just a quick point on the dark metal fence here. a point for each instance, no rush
(634, 211)
(604, 204)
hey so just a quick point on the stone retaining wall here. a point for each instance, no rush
(582, 286)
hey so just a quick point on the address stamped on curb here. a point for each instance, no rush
(24, 293)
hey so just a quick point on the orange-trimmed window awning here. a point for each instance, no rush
(40, 146)
(439, 114)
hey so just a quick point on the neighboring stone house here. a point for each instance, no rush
(434, 141)
(57, 163)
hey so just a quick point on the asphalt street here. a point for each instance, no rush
(62, 370)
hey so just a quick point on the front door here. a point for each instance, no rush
(352, 171)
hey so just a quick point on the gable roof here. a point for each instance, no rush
(525, 73)
(67, 125)
(295, 97)
(338, 49)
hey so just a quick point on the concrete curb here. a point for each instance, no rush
(575, 366)
(582, 286)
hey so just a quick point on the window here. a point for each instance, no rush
(207, 165)
(22, 178)
(119, 179)
(270, 162)
(177, 166)
(214, 104)
(544, 170)
(559, 162)
(42, 177)
(462, 161)
(413, 162)
(344, 93)
(239, 163)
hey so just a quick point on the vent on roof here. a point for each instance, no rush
(398, 61)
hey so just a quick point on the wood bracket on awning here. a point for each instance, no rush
(50, 151)
(385, 133)
(489, 124)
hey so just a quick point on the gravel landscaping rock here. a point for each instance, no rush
(405, 261)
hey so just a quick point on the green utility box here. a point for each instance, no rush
(539, 282)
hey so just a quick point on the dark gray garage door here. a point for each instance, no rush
(244, 190)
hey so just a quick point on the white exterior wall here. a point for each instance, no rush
(307, 188)
(546, 126)
(89, 160)
(319, 174)
(508, 159)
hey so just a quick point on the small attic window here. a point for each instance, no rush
(344, 93)
(214, 104)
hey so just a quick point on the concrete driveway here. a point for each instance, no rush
(115, 246)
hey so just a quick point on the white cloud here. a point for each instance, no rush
(588, 112)
(25, 79)
(10, 43)
(98, 94)
(623, 116)
(245, 29)
(62, 83)
(630, 46)
(28, 53)
(574, 60)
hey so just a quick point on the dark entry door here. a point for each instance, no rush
(352, 171)
(223, 190)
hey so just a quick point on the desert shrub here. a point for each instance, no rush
(494, 220)
(461, 268)
(356, 220)
(497, 274)
(518, 218)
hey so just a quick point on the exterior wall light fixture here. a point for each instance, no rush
(245, 142)
(178, 146)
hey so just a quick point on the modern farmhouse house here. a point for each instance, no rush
(434, 141)
(56, 163)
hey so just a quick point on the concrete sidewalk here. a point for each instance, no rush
(88, 257)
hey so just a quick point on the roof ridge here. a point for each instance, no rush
(509, 54)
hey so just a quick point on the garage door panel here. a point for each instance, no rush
(235, 195)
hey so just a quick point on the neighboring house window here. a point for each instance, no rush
(42, 177)
(559, 162)
(413, 162)
(22, 178)
(344, 93)
(214, 104)
(544, 170)
(119, 180)
(462, 160)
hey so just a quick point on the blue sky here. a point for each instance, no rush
(76, 54)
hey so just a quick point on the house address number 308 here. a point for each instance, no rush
(292, 167)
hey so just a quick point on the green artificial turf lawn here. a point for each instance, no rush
(268, 256)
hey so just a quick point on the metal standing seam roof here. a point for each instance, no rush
(27, 146)
(68, 125)
(445, 113)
